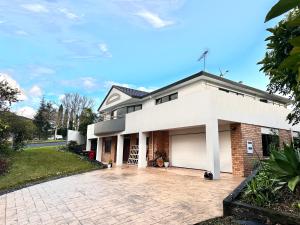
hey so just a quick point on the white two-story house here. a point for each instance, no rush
(202, 122)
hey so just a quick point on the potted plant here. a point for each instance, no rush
(109, 165)
(166, 162)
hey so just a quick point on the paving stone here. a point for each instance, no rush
(125, 195)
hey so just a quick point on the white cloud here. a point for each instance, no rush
(104, 50)
(26, 111)
(108, 84)
(150, 89)
(14, 84)
(70, 15)
(88, 82)
(154, 19)
(36, 8)
(35, 91)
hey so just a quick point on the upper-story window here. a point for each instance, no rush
(166, 98)
(133, 108)
(229, 91)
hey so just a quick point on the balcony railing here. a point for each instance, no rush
(109, 125)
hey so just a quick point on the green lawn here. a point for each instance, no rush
(35, 164)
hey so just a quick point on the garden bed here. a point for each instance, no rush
(281, 212)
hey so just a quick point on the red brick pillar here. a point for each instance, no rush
(285, 136)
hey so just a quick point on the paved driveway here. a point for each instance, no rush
(119, 196)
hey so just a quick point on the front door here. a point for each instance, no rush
(126, 149)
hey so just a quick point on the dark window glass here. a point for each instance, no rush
(166, 98)
(138, 107)
(107, 145)
(133, 108)
(225, 90)
(173, 96)
(130, 109)
(263, 100)
(268, 142)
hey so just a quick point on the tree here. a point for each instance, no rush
(87, 117)
(60, 113)
(44, 119)
(8, 95)
(75, 104)
(281, 61)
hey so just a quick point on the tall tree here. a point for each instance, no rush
(75, 104)
(65, 120)
(282, 59)
(87, 117)
(44, 118)
(60, 114)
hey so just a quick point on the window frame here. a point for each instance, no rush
(166, 98)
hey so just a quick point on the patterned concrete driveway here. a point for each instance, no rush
(119, 196)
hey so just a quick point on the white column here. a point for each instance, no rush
(212, 147)
(142, 150)
(120, 144)
(99, 149)
(88, 145)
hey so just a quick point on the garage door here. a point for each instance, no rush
(189, 151)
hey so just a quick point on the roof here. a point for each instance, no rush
(227, 81)
(131, 92)
(142, 94)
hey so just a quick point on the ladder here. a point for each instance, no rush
(133, 158)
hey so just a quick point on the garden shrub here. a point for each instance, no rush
(263, 189)
(285, 165)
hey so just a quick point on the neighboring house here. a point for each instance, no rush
(203, 122)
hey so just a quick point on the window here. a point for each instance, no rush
(263, 100)
(228, 91)
(133, 108)
(166, 98)
(107, 145)
(268, 142)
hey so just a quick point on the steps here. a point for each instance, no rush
(133, 158)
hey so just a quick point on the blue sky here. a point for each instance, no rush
(53, 47)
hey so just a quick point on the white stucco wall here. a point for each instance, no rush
(74, 135)
(198, 103)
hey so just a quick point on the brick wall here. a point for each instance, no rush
(160, 142)
(285, 136)
(242, 162)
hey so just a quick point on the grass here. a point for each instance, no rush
(36, 164)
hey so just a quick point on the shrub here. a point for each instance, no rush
(263, 189)
(3, 166)
(285, 165)
(72, 145)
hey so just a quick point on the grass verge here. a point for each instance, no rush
(39, 164)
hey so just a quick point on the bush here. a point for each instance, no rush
(72, 145)
(285, 165)
(263, 189)
(3, 166)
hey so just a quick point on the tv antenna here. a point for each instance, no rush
(203, 57)
(221, 72)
